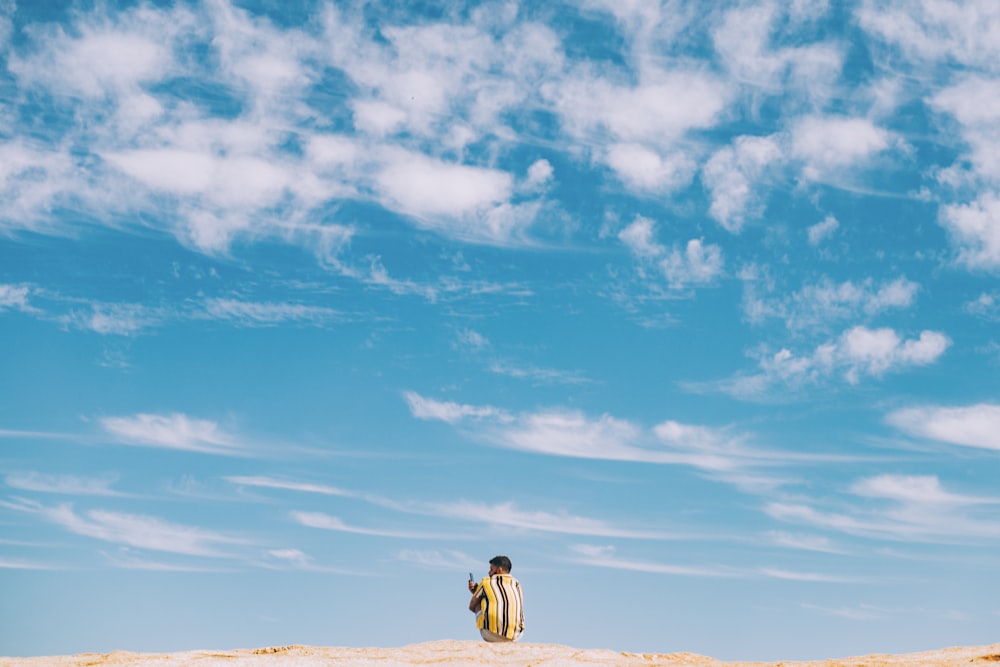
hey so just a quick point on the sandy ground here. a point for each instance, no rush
(479, 653)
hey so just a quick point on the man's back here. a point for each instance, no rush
(501, 606)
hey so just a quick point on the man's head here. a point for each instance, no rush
(499, 564)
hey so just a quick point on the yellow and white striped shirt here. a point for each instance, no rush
(501, 608)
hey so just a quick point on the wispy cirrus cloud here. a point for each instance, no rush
(174, 431)
(287, 485)
(296, 560)
(440, 559)
(605, 556)
(131, 319)
(722, 452)
(325, 521)
(475, 343)
(63, 484)
(907, 508)
(536, 374)
(17, 564)
(449, 411)
(134, 530)
(819, 305)
(115, 319)
(814, 577)
(262, 314)
(14, 297)
(509, 515)
(968, 426)
(819, 543)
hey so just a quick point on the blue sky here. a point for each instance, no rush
(308, 309)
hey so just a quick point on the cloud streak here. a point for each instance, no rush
(134, 530)
(911, 508)
(174, 431)
(571, 433)
(969, 426)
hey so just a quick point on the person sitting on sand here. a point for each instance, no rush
(497, 603)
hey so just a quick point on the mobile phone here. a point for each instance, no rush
(471, 578)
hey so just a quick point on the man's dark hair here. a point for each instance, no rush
(502, 562)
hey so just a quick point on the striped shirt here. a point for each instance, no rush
(500, 606)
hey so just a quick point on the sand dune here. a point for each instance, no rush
(479, 653)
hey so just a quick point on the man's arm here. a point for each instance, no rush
(474, 602)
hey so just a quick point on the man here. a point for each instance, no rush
(496, 601)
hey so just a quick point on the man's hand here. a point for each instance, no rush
(472, 586)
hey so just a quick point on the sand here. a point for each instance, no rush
(479, 653)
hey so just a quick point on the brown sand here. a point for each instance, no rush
(479, 653)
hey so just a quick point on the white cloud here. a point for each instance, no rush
(9, 564)
(857, 353)
(644, 169)
(818, 543)
(459, 200)
(936, 30)
(33, 179)
(539, 174)
(604, 556)
(571, 433)
(732, 175)
(286, 485)
(744, 40)
(134, 530)
(258, 56)
(63, 484)
(218, 196)
(536, 374)
(970, 426)
(448, 411)
(14, 296)
(440, 560)
(101, 60)
(972, 102)
(327, 522)
(875, 351)
(986, 305)
(116, 319)
(818, 577)
(822, 231)
(251, 314)
(473, 340)
(426, 188)
(511, 516)
(696, 264)
(639, 238)
(174, 431)
(656, 111)
(915, 489)
(828, 144)
(913, 508)
(636, 129)
(975, 229)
